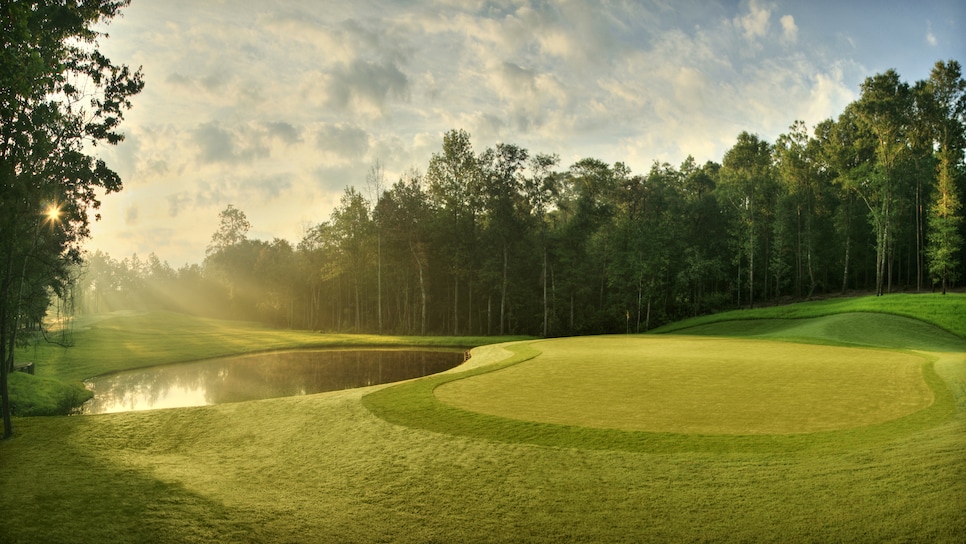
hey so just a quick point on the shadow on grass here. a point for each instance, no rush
(53, 490)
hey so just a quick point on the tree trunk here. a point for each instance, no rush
(422, 291)
(503, 292)
(544, 292)
(456, 305)
(848, 245)
(751, 265)
(379, 278)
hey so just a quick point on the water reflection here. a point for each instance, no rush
(259, 376)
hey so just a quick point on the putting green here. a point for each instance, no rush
(698, 385)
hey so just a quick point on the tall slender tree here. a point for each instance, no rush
(883, 112)
(947, 88)
(454, 179)
(747, 181)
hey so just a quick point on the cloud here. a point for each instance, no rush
(265, 187)
(214, 143)
(930, 37)
(284, 132)
(755, 23)
(177, 202)
(131, 216)
(365, 87)
(342, 140)
(789, 29)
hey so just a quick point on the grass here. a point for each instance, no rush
(325, 468)
(948, 312)
(697, 385)
(128, 340)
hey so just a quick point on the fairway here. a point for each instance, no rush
(430, 460)
(699, 385)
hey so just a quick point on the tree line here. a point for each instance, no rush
(504, 241)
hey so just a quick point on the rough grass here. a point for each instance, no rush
(323, 468)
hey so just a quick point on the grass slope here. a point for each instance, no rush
(323, 468)
(948, 312)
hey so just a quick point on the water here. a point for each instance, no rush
(259, 376)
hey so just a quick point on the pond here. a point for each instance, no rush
(260, 376)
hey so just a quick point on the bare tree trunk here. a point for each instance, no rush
(647, 320)
(379, 277)
(751, 266)
(489, 314)
(545, 292)
(503, 292)
(422, 291)
(848, 245)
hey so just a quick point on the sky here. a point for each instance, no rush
(275, 107)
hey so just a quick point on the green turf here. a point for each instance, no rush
(947, 312)
(324, 468)
(699, 385)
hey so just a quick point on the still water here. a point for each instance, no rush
(259, 376)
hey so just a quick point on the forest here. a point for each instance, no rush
(508, 241)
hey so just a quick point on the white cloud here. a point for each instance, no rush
(789, 29)
(754, 24)
(930, 37)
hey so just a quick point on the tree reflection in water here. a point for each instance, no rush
(260, 376)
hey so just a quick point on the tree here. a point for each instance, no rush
(502, 195)
(233, 227)
(797, 172)
(540, 188)
(405, 212)
(454, 178)
(747, 181)
(883, 112)
(59, 97)
(947, 88)
(351, 225)
(375, 181)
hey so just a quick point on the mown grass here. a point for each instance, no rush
(699, 385)
(323, 468)
(947, 312)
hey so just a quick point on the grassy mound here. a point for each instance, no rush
(847, 329)
(948, 312)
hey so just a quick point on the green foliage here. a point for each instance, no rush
(59, 97)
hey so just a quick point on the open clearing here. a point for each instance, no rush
(396, 464)
(699, 385)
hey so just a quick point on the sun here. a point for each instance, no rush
(52, 213)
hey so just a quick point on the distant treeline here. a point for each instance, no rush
(505, 241)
